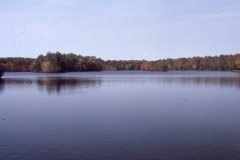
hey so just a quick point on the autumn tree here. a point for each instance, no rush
(58, 62)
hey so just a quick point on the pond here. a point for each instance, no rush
(120, 115)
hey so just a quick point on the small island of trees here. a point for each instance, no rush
(1, 74)
(1, 71)
(58, 62)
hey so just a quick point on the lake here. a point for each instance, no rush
(120, 115)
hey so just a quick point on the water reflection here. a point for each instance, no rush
(14, 83)
(1, 85)
(56, 85)
(51, 85)
(219, 82)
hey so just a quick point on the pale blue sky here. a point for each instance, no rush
(120, 29)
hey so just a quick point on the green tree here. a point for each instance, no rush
(35, 67)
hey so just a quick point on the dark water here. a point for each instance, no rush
(120, 115)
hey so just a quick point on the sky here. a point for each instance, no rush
(120, 29)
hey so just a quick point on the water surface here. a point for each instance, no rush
(120, 115)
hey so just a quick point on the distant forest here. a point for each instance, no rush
(58, 62)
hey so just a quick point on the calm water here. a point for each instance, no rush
(120, 115)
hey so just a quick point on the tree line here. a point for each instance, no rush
(58, 62)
